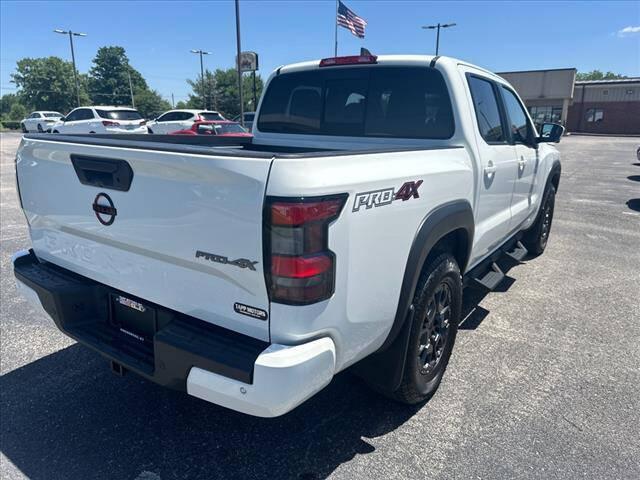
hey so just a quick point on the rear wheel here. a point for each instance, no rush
(536, 238)
(149, 131)
(437, 303)
(56, 131)
(40, 129)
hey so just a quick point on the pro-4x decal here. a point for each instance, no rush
(239, 262)
(385, 196)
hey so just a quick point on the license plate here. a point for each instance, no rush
(133, 318)
(130, 127)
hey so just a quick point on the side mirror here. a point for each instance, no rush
(550, 133)
(63, 119)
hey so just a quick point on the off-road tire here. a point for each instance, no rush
(420, 381)
(537, 236)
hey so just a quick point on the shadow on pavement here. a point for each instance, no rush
(634, 204)
(66, 416)
(634, 178)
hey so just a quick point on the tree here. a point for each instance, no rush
(598, 75)
(109, 78)
(6, 102)
(47, 84)
(182, 105)
(150, 104)
(220, 89)
(17, 112)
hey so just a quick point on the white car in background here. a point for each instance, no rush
(101, 119)
(175, 120)
(40, 121)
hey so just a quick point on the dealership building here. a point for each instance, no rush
(592, 106)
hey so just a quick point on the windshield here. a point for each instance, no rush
(211, 116)
(119, 114)
(52, 114)
(229, 128)
(401, 102)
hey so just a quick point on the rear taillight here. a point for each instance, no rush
(299, 267)
(109, 123)
(143, 122)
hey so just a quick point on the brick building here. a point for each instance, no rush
(606, 106)
(593, 106)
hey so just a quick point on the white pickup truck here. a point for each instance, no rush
(249, 272)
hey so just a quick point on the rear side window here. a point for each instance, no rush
(402, 102)
(487, 111)
(211, 116)
(119, 114)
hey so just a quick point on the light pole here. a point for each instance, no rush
(239, 50)
(201, 53)
(73, 57)
(438, 27)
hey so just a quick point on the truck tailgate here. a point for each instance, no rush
(185, 232)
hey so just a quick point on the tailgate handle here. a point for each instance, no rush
(103, 172)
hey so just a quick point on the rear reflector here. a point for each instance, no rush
(351, 60)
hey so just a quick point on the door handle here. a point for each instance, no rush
(489, 169)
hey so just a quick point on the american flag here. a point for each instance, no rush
(349, 20)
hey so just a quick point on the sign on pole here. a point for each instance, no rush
(248, 61)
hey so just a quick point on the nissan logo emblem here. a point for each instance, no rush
(106, 214)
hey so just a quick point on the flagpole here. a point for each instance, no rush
(335, 21)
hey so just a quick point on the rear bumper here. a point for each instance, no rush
(184, 353)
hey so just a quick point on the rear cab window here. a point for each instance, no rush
(119, 114)
(380, 101)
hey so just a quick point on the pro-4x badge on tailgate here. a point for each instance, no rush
(385, 196)
(238, 262)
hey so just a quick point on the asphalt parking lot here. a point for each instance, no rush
(544, 381)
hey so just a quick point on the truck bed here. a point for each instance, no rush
(211, 145)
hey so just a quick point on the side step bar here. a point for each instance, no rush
(492, 278)
(488, 274)
(518, 252)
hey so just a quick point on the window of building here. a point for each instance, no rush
(545, 114)
(605, 92)
(594, 115)
(630, 92)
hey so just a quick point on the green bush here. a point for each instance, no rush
(10, 125)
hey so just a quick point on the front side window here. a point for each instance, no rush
(74, 115)
(167, 117)
(485, 104)
(396, 102)
(119, 114)
(518, 122)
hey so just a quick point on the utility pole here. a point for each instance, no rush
(202, 85)
(238, 61)
(73, 57)
(437, 27)
(255, 92)
(173, 103)
(133, 102)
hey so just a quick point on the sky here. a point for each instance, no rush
(158, 35)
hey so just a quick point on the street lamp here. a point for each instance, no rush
(201, 53)
(438, 27)
(73, 57)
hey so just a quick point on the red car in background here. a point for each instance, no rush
(220, 128)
